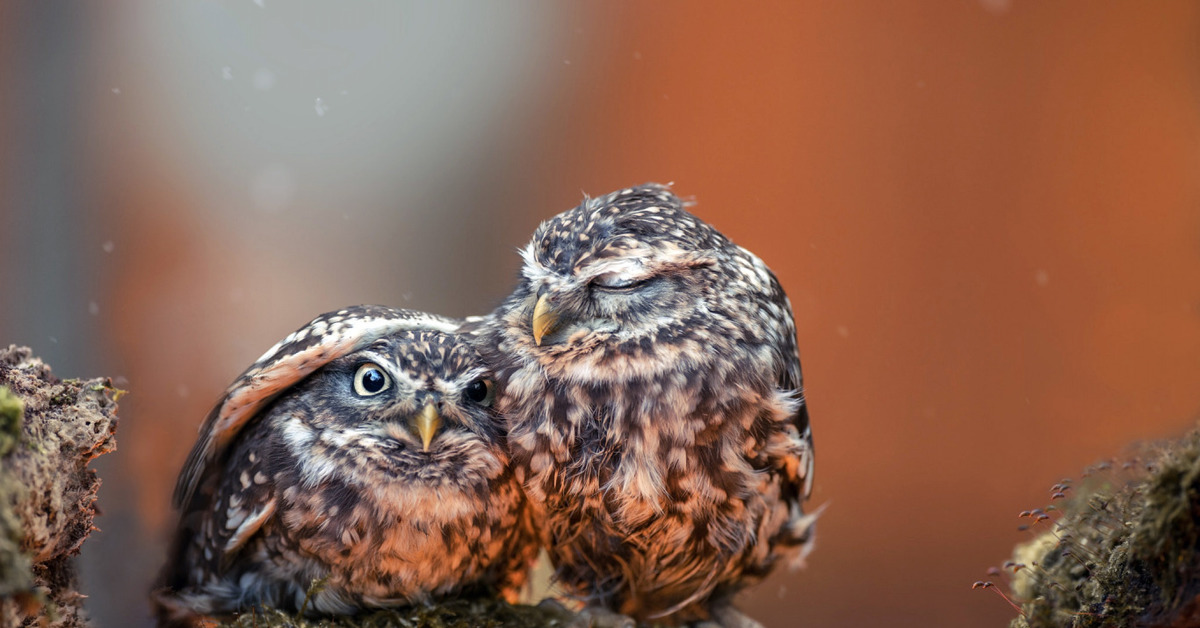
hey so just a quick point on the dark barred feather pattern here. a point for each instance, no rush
(324, 481)
(655, 407)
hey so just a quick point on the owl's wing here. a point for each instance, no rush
(791, 451)
(795, 451)
(328, 337)
(245, 498)
(803, 474)
(793, 447)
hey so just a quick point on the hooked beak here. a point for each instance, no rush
(545, 319)
(427, 424)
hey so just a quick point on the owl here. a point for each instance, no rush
(656, 416)
(359, 463)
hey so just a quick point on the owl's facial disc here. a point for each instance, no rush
(594, 301)
(423, 426)
(438, 415)
(552, 325)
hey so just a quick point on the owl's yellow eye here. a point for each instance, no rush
(370, 380)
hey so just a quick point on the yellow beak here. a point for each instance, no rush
(545, 319)
(428, 423)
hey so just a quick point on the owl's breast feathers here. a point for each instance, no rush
(299, 508)
(666, 481)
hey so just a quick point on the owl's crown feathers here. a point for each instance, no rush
(621, 225)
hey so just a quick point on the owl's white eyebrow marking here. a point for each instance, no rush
(624, 266)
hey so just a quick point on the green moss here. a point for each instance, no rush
(12, 412)
(16, 575)
(1126, 550)
(481, 613)
(16, 570)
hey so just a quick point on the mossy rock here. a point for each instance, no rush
(49, 432)
(1126, 550)
(12, 413)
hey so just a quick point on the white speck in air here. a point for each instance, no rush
(320, 107)
(263, 80)
(227, 73)
(1042, 277)
(996, 7)
(108, 246)
(93, 308)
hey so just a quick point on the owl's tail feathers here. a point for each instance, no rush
(804, 530)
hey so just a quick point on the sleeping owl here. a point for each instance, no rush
(655, 408)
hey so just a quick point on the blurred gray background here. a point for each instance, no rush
(986, 214)
(185, 182)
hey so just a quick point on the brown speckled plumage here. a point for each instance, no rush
(325, 478)
(653, 393)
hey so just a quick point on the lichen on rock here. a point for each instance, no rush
(50, 430)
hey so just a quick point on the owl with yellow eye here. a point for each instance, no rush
(362, 453)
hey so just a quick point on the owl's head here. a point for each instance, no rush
(415, 405)
(629, 284)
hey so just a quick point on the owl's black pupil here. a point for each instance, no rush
(372, 381)
(477, 390)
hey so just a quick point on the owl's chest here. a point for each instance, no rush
(621, 458)
(373, 552)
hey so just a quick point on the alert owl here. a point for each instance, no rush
(361, 453)
(656, 417)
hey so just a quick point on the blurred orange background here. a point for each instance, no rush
(986, 213)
